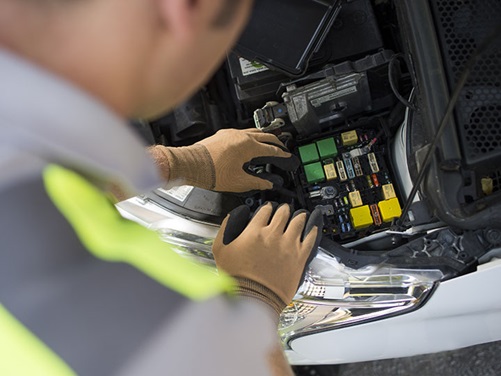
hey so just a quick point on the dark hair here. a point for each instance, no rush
(226, 13)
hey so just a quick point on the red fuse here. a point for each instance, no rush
(375, 180)
(375, 215)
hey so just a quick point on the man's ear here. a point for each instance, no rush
(178, 16)
(186, 16)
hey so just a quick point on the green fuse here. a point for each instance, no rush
(327, 148)
(314, 173)
(308, 153)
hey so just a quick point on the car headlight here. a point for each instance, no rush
(333, 295)
(193, 246)
(185, 236)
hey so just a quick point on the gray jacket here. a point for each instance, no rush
(98, 317)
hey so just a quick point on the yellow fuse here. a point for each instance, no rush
(373, 162)
(389, 209)
(361, 217)
(388, 191)
(341, 170)
(355, 199)
(349, 138)
(330, 171)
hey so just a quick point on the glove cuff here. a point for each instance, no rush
(192, 165)
(252, 289)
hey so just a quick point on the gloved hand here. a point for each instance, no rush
(220, 162)
(268, 255)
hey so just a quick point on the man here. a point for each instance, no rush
(83, 291)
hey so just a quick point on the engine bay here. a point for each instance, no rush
(354, 116)
(335, 118)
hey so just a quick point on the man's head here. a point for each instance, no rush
(141, 57)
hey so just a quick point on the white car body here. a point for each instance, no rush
(461, 312)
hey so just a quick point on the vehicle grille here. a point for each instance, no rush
(462, 27)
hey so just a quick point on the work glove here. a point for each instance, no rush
(268, 254)
(221, 162)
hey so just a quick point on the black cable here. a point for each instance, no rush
(445, 120)
(393, 86)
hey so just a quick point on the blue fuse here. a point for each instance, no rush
(349, 168)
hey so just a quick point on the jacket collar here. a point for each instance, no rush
(43, 114)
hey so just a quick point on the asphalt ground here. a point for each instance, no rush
(480, 360)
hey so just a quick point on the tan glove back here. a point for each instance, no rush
(219, 162)
(271, 249)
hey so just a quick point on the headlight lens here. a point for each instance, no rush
(192, 246)
(331, 296)
(187, 237)
(334, 296)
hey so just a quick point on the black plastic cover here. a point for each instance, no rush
(354, 34)
(284, 34)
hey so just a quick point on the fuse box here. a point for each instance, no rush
(346, 174)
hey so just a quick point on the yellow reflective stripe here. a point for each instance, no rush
(108, 236)
(22, 353)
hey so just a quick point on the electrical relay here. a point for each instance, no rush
(345, 175)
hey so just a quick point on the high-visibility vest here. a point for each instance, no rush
(110, 237)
